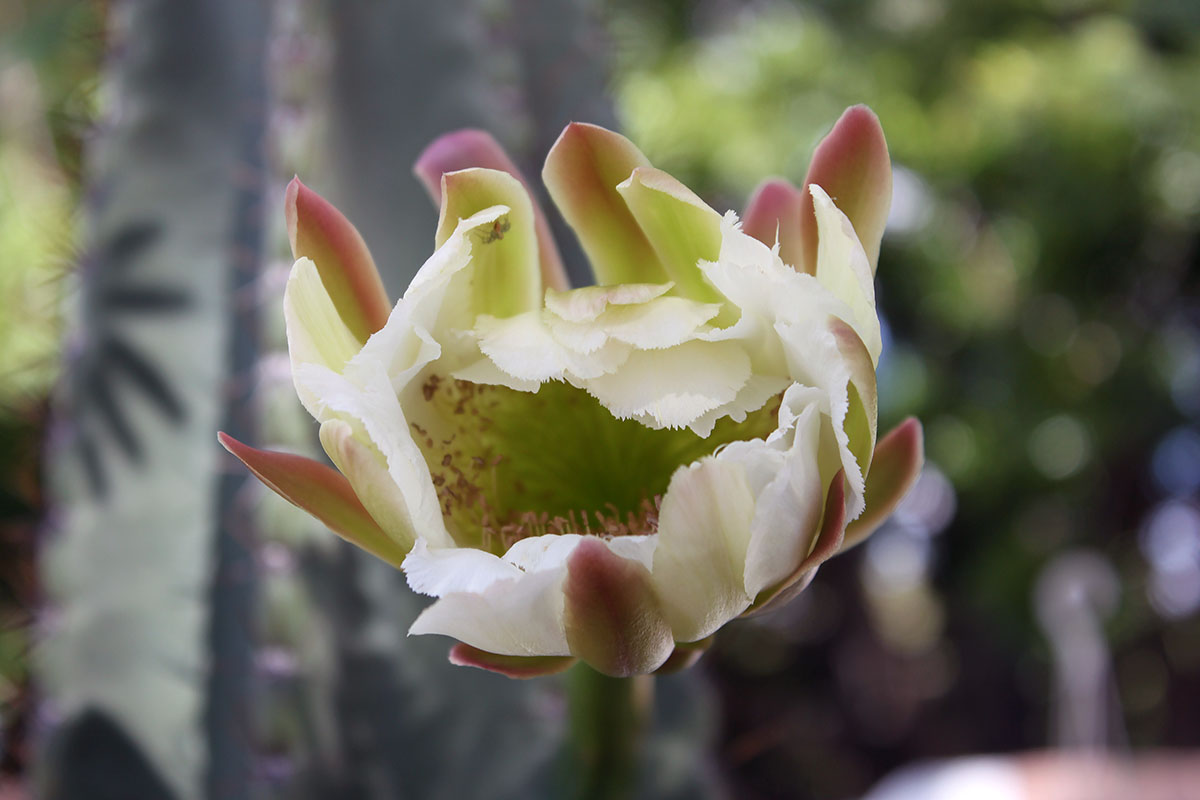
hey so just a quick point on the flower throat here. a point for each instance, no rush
(508, 464)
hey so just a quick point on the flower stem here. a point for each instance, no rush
(607, 717)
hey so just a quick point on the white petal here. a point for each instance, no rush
(441, 571)
(703, 533)
(316, 333)
(789, 496)
(815, 360)
(843, 268)
(524, 347)
(374, 411)
(661, 323)
(486, 373)
(518, 617)
(676, 386)
(757, 391)
(587, 303)
(540, 553)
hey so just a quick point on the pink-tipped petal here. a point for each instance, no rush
(611, 615)
(827, 544)
(897, 463)
(319, 231)
(474, 148)
(582, 172)
(774, 212)
(520, 667)
(684, 656)
(321, 491)
(852, 165)
(681, 228)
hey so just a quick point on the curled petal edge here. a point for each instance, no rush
(827, 543)
(894, 469)
(520, 667)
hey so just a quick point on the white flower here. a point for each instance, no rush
(609, 473)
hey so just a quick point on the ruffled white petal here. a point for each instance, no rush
(674, 387)
(656, 324)
(703, 532)
(785, 478)
(589, 302)
(442, 571)
(813, 353)
(524, 348)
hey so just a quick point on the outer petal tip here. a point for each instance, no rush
(582, 171)
(852, 164)
(772, 214)
(459, 150)
(611, 614)
(321, 491)
(317, 230)
(520, 667)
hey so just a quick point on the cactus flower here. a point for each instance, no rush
(607, 473)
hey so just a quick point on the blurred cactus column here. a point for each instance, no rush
(147, 649)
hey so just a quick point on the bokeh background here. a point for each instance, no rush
(170, 631)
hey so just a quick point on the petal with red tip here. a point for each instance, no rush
(611, 616)
(507, 279)
(582, 171)
(474, 148)
(826, 545)
(853, 166)
(772, 214)
(521, 667)
(681, 228)
(321, 491)
(319, 231)
(897, 463)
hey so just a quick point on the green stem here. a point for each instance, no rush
(607, 717)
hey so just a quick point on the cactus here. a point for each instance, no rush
(134, 541)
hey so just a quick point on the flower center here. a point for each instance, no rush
(508, 464)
